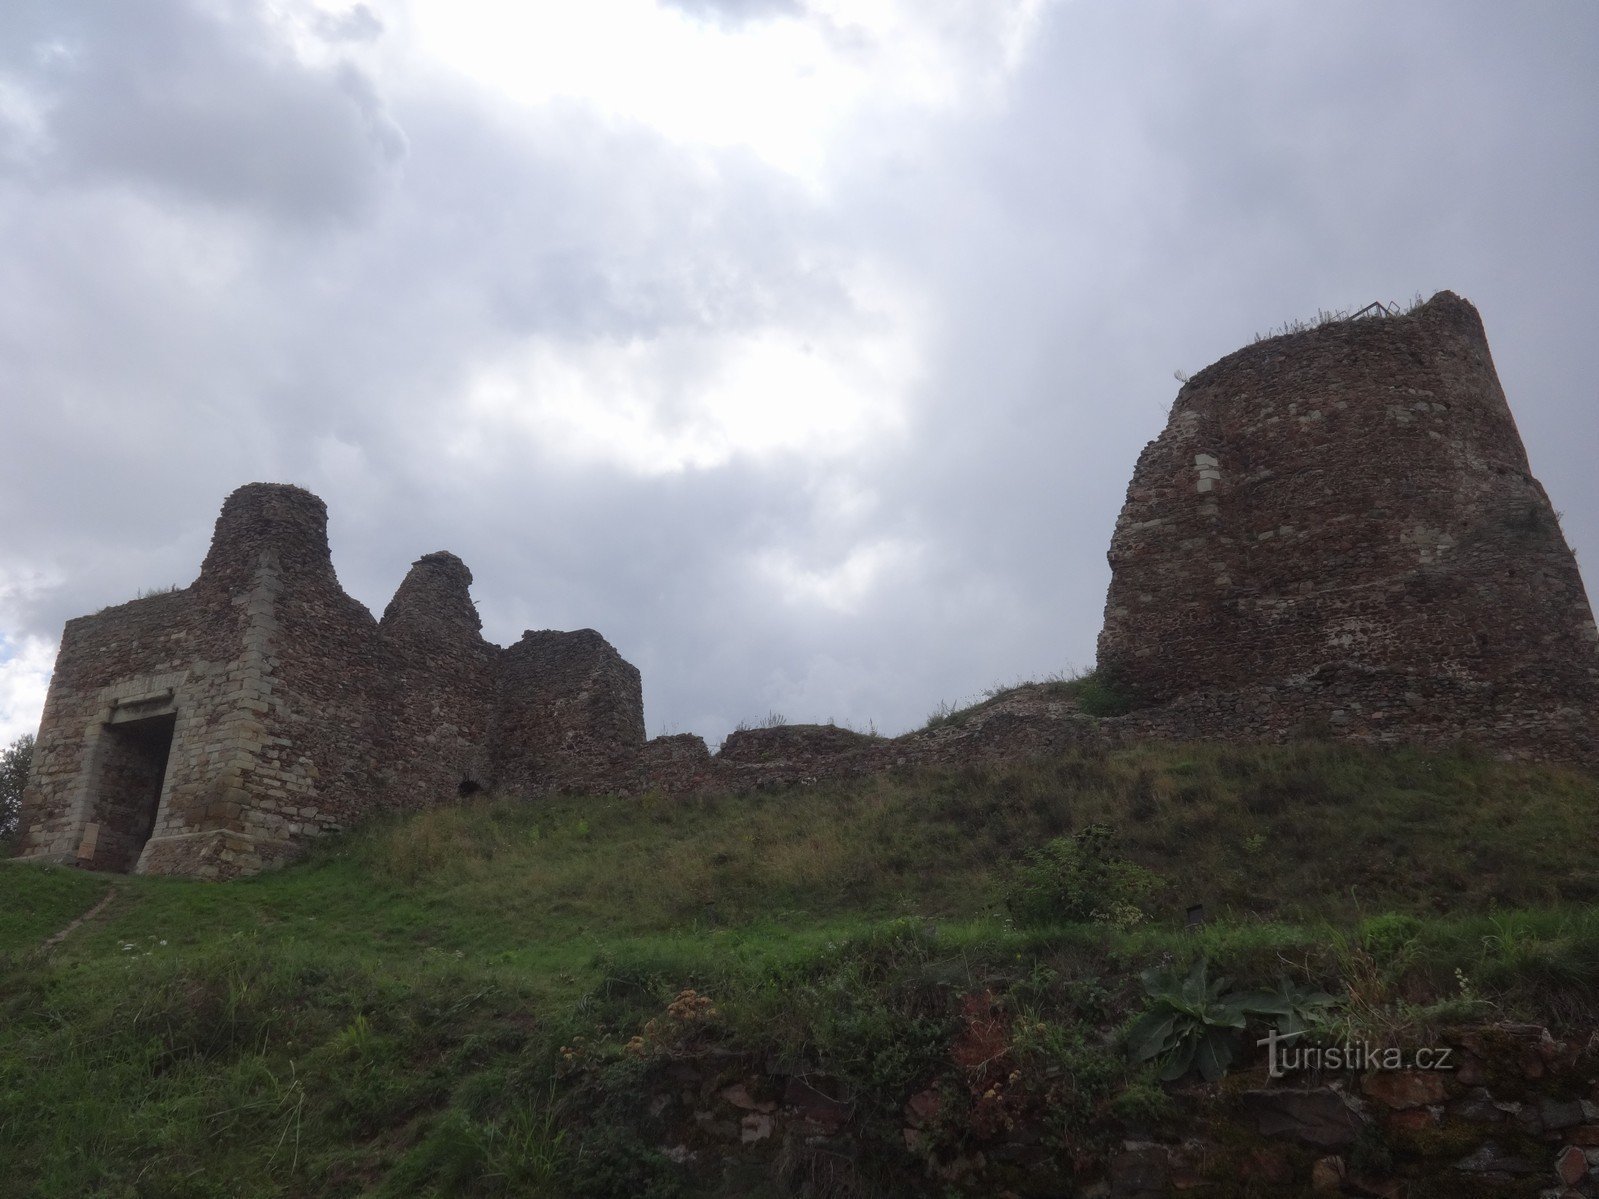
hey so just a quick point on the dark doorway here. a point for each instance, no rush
(133, 765)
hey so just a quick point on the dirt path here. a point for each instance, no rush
(56, 938)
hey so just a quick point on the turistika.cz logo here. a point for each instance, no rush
(1283, 1058)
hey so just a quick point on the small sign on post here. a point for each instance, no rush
(91, 835)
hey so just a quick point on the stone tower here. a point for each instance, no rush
(1339, 528)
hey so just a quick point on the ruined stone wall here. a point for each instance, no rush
(1339, 526)
(570, 715)
(438, 687)
(1337, 531)
(125, 656)
(306, 738)
(290, 711)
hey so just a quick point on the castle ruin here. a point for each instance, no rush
(210, 731)
(1337, 532)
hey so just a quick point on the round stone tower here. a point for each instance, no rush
(1342, 523)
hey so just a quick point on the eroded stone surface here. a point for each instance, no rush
(1339, 529)
(211, 731)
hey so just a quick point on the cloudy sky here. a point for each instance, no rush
(802, 347)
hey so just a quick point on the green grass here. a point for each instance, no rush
(390, 1016)
(1092, 692)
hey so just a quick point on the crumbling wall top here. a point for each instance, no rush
(268, 522)
(434, 600)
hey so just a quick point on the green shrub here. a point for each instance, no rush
(1078, 878)
(1386, 936)
(1098, 696)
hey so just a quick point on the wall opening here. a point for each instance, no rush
(127, 792)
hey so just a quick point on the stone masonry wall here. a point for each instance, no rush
(438, 677)
(1514, 1111)
(292, 711)
(570, 716)
(1339, 526)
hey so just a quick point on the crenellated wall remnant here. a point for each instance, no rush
(214, 730)
(1338, 529)
(211, 731)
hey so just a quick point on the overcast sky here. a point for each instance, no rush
(803, 348)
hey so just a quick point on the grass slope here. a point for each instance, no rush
(470, 1000)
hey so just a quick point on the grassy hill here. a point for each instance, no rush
(497, 999)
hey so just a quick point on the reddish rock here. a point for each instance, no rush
(1375, 1188)
(1572, 1165)
(816, 1111)
(1405, 1088)
(1327, 1175)
(1412, 1119)
(922, 1108)
(739, 1096)
(1312, 1116)
(1140, 1173)
(1267, 1166)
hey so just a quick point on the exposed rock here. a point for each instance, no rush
(1327, 1175)
(1404, 1088)
(1312, 1116)
(1489, 1159)
(1571, 1166)
(1140, 1173)
(1557, 1114)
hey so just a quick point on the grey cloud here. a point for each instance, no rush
(206, 105)
(1156, 185)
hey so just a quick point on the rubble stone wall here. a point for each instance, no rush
(292, 711)
(1339, 526)
(438, 679)
(570, 716)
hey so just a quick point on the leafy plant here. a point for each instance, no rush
(1193, 1022)
(15, 762)
(1082, 878)
(1293, 1009)
(1097, 695)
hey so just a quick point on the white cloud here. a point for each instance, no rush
(786, 86)
(803, 347)
(695, 398)
(842, 586)
(25, 667)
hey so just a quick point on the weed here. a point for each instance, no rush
(1192, 1024)
(1082, 877)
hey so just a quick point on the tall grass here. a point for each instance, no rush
(389, 1016)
